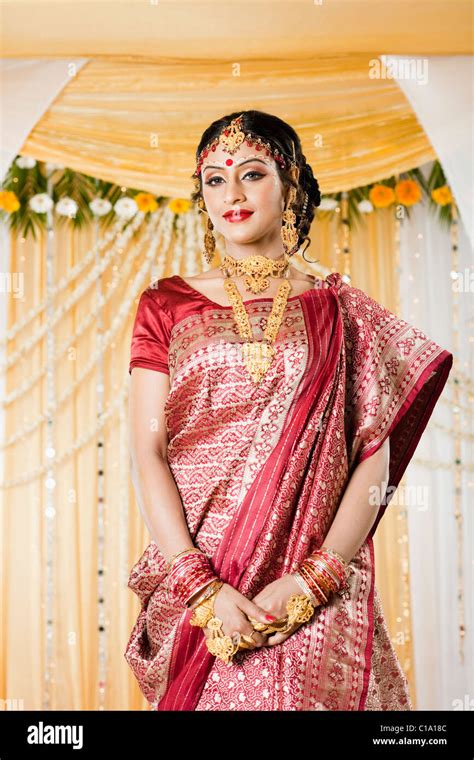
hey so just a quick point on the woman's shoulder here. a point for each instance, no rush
(160, 296)
(160, 289)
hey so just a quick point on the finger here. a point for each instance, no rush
(279, 638)
(258, 613)
(247, 629)
(276, 638)
(258, 638)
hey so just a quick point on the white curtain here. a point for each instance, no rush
(440, 91)
(426, 300)
(28, 88)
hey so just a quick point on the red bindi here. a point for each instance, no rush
(229, 162)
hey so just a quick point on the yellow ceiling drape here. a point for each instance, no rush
(242, 29)
(161, 71)
(138, 124)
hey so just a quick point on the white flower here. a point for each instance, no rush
(66, 207)
(25, 162)
(100, 206)
(126, 208)
(328, 204)
(41, 203)
(365, 207)
(50, 168)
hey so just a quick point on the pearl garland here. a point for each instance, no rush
(404, 617)
(101, 507)
(76, 295)
(108, 336)
(87, 321)
(458, 516)
(50, 483)
(63, 283)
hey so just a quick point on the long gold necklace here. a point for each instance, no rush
(257, 354)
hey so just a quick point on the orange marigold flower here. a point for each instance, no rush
(442, 195)
(146, 202)
(408, 192)
(179, 205)
(381, 196)
(9, 201)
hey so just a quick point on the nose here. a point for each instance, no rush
(234, 192)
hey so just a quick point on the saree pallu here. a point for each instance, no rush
(261, 471)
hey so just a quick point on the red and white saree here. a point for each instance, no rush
(261, 470)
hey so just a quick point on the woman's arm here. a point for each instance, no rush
(349, 529)
(158, 496)
(356, 514)
(155, 488)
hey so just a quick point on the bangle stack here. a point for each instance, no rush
(321, 574)
(189, 571)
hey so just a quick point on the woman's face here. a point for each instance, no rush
(249, 183)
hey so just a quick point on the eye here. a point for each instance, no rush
(211, 181)
(252, 171)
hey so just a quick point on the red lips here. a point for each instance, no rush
(238, 213)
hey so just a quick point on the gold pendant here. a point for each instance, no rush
(257, 357)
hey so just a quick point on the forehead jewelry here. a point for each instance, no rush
(232, 137)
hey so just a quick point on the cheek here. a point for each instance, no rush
(270, 194)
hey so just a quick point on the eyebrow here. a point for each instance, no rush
(249, 160)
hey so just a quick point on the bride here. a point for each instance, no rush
(266, 406)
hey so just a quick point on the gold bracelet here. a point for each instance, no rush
(206, 592)
(221, 646)
(335, 553)
(203, 612)
(192, 550)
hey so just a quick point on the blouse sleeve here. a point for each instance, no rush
(150, 335)
(394, 377)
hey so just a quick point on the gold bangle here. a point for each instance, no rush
(206, 592)
(191, 550)
(336, 554)
(204, 611)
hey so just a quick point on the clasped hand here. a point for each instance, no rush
(234, 609)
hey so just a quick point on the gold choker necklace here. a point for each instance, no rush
(257, 269)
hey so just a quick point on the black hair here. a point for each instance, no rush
(281, 136)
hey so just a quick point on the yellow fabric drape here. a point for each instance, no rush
(235, 29)
(75, 676)
(138, 124)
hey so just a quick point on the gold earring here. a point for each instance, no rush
(209, 239)
(209, 242)
(289, 234)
